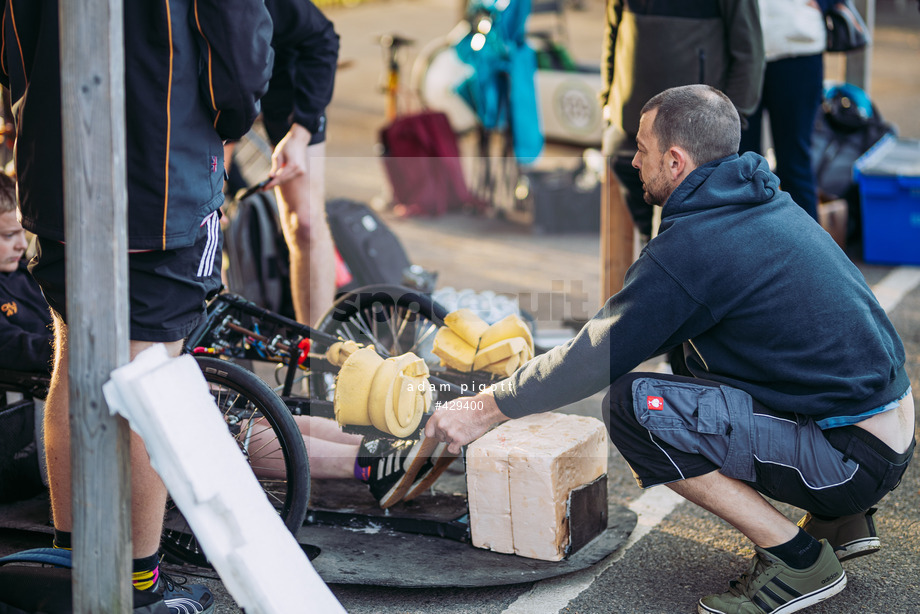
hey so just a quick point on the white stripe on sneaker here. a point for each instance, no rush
(183, 605)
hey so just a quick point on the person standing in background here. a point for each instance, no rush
(294, 115)
(651, 46)
(794, 35)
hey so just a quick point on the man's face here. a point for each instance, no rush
(12, 242)
(656, 183)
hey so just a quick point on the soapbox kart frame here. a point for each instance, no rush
(236, 332)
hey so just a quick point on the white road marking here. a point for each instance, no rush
(553, 594)
(895, 286)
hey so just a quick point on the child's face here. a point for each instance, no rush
(12, 242)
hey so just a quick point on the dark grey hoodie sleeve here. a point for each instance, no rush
(648, 316)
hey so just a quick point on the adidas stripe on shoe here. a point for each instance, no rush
(392, 465)
(771, 587)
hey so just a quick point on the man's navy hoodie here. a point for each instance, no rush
(759, 294)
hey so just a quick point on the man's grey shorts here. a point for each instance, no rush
(670, 428)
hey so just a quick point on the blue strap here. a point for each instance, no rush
(48, 556)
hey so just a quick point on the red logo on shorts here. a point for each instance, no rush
(655, 403)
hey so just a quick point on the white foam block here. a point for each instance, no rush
(167, 402)
(533, 464)
(488, 493)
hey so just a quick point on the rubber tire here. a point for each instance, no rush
(365, 300)
(292, 502)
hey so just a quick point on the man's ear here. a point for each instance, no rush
(678, 162)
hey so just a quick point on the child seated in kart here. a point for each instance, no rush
(25, 345)
(25, 333)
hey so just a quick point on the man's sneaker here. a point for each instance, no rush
(438, 460)
(182, 598)
(392, 465)
(851, 536)
(772, 587)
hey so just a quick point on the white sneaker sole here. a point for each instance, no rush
(416, 459)
(857, 548)
(442, 462)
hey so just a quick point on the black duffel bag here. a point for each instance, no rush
(846, 126)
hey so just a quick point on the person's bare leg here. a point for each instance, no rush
(57, 433)
(301, 203)
(148, 499)
(326, 428)
(148, 494)
(328, 459)
(740, 505)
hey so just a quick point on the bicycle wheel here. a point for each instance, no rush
(393, 319)
(268, 436)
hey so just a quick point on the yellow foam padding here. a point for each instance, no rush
(399, 395)
(339, 351)
(508, 327)
(507, 366)
(453, 351)
(499, 351)
(467, 325)
(353, 387)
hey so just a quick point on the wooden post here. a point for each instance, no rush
(858, 63)
(617, 235)
(95, 203)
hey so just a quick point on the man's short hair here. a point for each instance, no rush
(697, 118)
(7, 194)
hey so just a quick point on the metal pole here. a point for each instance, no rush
(859, 63)
(95, 202)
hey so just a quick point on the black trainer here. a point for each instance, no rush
(392, 465)
(182, 598)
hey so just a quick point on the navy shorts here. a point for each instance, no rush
(671, 428)
(168, 289)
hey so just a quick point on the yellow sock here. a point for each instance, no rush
(146, 572)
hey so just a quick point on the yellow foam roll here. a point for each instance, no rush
(496, 352)
(353, 387)
(508, 327)
(399, 395)
(467, 325)
(339, 351)
(453, 351)
(505, 367)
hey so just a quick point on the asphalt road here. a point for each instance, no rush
(677, 552)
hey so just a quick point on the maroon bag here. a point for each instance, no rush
(422, 162)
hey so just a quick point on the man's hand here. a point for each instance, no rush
(464, 420)
(289, 160)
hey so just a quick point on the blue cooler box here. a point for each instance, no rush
(888, 176)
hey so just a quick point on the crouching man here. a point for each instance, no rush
(791, 380)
